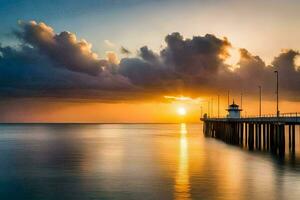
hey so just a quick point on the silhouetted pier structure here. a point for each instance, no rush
(267, 132)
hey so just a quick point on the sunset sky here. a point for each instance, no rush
(142, 61)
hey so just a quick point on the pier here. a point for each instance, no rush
(267, 132)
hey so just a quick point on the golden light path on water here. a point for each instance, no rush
(182, 182)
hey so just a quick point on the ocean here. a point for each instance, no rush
(137, 161)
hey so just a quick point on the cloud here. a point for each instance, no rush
(198, 65)
(184, 64)
(148, 55)
(112, 57)
(253, 71)
(63, 48)
(26, 69)
(289, 74)
(58, 64)
(49, 64)
(140, 72)
(197, 56)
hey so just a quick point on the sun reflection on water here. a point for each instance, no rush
(182, 182)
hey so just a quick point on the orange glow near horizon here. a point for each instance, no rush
(63, 111)
(182, 98)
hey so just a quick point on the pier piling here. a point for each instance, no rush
(254, 133)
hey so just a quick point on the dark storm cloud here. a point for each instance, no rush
(145, 70)
(148, 55)
(253, 72)
(27, 69)
(182, 63)
(60, 65)
(31, 70)
(63, 48)
(289, 72)
(140, 72)
(196, 56)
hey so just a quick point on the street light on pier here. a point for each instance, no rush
(277, 94)
(259, 100)
(228, 98)
(218, 106)
(212, 107)
(241, 102)
(208, 108)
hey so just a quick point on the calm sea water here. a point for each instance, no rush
(137, 161)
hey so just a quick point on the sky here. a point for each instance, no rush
(117, 60)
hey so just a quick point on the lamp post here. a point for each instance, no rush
(241, 101)
(259, 100)
(218, 106)
(277, 94)
(208, 108)
(212, 107)
(228, 98)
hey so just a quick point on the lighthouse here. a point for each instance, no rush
(234, 111)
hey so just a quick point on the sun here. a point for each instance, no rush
(181, 111)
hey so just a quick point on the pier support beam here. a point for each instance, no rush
(268, 136)
(264, 127)
(246, 134)
(281, 139)
(258, 136)
(241, 134)
(251, 136)
(290, 137)
(272, 138)
(293, 138)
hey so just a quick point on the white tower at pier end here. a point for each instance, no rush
(234, 111)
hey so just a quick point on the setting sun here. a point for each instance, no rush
(181, 111)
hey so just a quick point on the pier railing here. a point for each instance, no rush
(282, 118)
(293, 114)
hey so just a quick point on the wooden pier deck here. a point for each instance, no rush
(266, 132)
